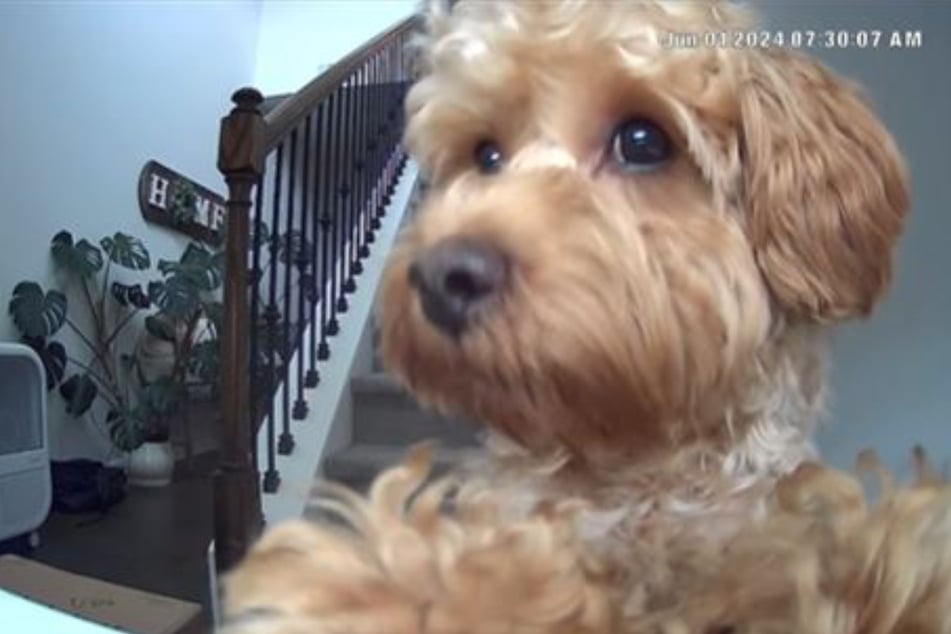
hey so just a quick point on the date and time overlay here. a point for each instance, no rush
(828, 39)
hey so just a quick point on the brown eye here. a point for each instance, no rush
(640, 145)
(488, 157)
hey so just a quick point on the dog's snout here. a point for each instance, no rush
(456, 279)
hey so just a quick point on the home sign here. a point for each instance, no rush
(169, 199)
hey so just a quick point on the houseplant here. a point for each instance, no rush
(99, 388)
(101, 379)
(186, 326)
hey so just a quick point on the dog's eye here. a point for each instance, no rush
(640, 144)
(488, 157)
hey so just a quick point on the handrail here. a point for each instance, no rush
(288, 114)
(308, 185)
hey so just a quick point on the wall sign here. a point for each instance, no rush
(169, 199)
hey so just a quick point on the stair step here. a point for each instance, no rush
(357, 465)
(385, 414)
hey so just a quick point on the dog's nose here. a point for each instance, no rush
(456, 278)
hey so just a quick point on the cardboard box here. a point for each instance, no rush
(125, 609)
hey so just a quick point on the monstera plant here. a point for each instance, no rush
(189, 314)
(132, 408)
(182, 309)
(96, 372)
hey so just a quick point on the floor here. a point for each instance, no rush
(154, 540)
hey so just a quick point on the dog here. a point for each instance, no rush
(626, 266)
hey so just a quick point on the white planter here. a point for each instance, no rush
(152, 465)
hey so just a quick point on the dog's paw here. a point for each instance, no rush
(831, 558)
(401, 563)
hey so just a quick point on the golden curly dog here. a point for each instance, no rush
(625, 267)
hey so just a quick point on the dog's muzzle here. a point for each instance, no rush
(457, 279)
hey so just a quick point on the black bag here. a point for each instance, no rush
(84, 486)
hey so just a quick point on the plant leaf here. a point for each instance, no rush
(205, 360)
(79, 391)
(82, 258)
(215, 311)
(175, 297)
(162, 397)
(133, 294)
(126, 428)
(36, 314)
(260, 232)
(182, 202)
(159, 328)
(138, 297)
(53, 356)
(198, 266)
(127, 251)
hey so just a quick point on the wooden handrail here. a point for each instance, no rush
(285, 117)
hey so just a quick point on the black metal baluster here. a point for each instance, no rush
(272, 478)
(401, 106)
(405, 83)
(343, 198)
(346, 160)
(304, 282)
(326, 225)
(393, 129)
(333, 326)
(366, 209)
(254, 279)
(373, 142)
(379, 129)
(388, 134)
(313, 374)
(366, 231)
(363, 250)
(381, 133)
(353, 160)
(285, 443)
(397, 103)
(353, 238)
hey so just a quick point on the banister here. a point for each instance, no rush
(280, 121)
(328, 158)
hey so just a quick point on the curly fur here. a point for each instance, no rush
(824, 560)
(652, 373)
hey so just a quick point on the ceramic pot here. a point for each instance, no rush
(152, 464)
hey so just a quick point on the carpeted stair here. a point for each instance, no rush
(387, 421)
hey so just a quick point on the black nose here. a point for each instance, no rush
(456, 279)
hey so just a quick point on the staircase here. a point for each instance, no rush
(318, 184)
(318, 187)
(386, 420)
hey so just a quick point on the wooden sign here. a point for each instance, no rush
(169, 199)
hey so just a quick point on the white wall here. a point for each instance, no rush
(91, 92)
(892, 374)
(300, 38)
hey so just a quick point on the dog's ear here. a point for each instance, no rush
(825, 187)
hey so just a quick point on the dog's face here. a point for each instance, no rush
(617, 227)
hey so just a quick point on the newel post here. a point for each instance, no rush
(237, 493)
